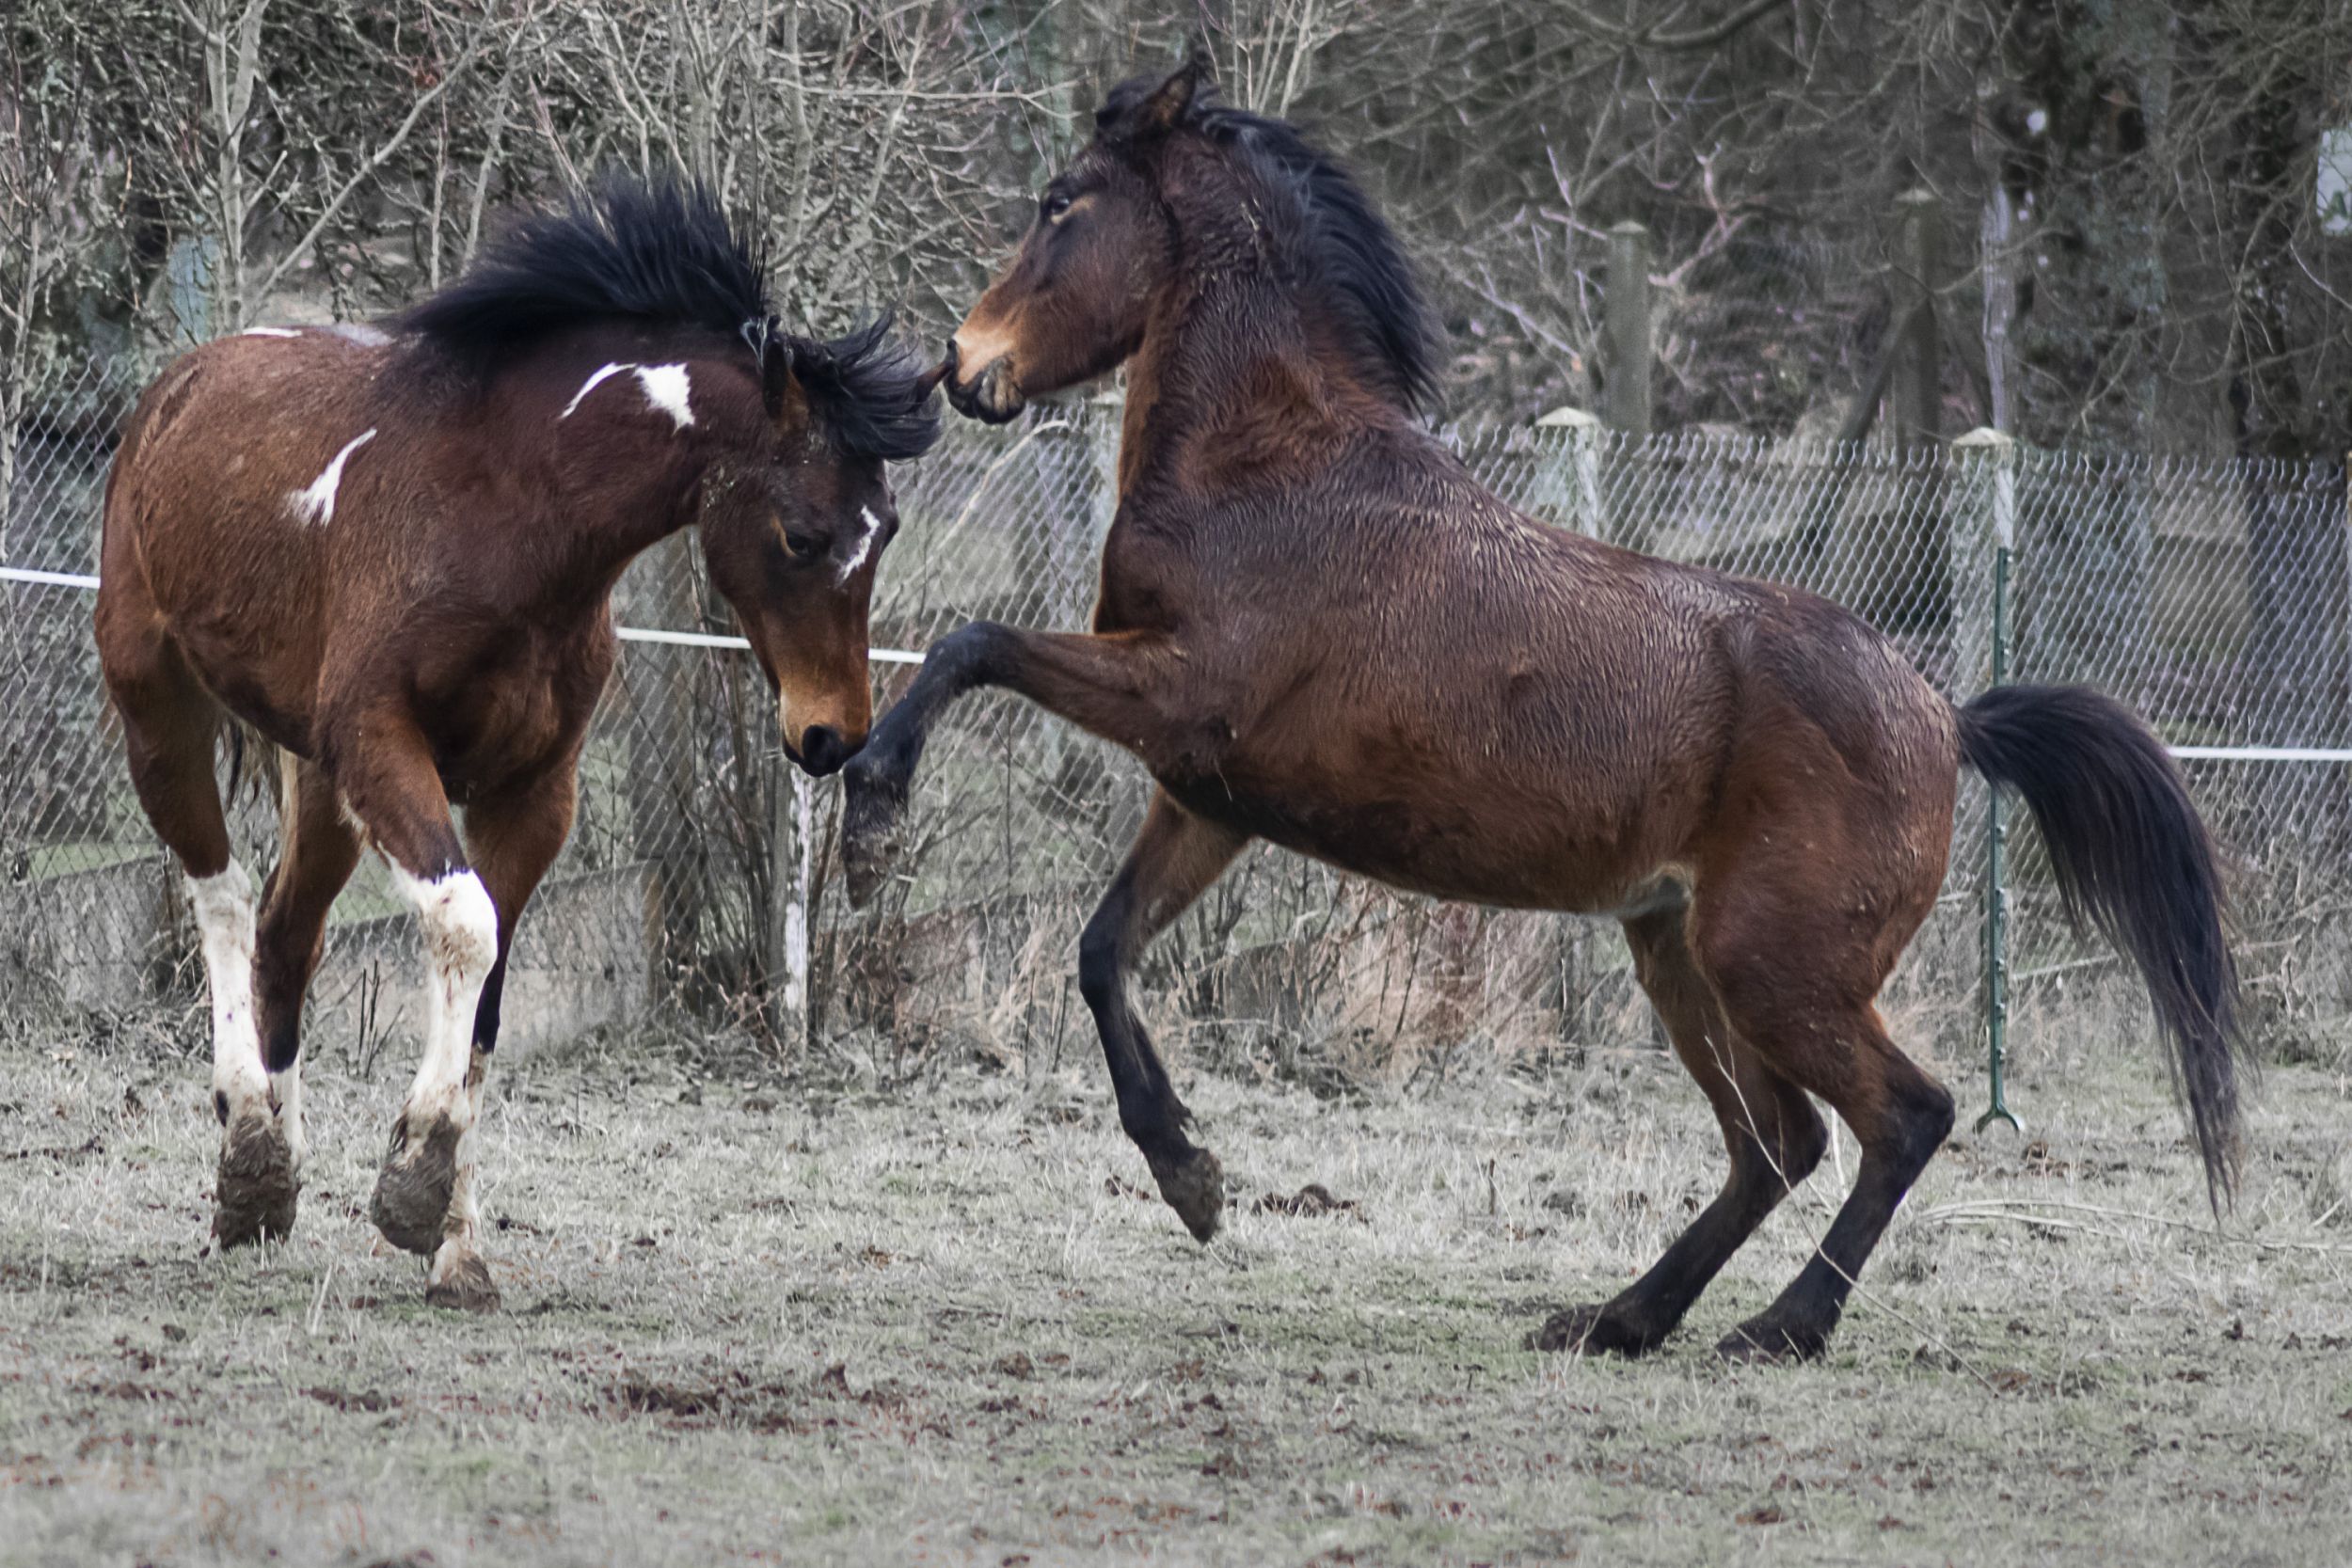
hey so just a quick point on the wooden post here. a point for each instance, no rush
(789, 847)
(1918, 392)
(1628, 327)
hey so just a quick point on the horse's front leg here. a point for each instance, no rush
(1106, 684)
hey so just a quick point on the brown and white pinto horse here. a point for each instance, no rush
(391, 551)
(1314, 627)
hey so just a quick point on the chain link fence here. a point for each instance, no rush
(702, 882)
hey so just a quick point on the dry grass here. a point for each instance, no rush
(753, 1322)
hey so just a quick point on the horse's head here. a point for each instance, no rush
(1071, 304)
(794, 532)
(1179, 191)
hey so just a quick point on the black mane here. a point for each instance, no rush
(1344, 242)
(661, 253)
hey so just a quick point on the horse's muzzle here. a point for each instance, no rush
(993, 397)
(822, 750)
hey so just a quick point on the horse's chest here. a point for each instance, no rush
(516, 712)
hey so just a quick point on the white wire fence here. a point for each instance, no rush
(702, 884)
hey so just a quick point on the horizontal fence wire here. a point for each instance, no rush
(701, 878)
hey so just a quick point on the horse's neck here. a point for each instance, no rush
(1230, 369)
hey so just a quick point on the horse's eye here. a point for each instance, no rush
(802, 545)
(1054, 206)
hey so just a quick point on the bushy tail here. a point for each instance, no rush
(2134, 859)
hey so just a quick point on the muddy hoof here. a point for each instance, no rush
(1594, 1330)
(1766, 1340)
(873, 838)
(412, 1194)
(255, 1194)
(463, 1286)
(1194, 1186)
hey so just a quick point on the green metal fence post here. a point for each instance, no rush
(1989, 464)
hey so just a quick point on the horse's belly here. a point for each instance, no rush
(1484, 846)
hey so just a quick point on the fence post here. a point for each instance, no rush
(1918, 370)
(1984, 535)
(790, 845)
(1567, 488)
(1627, 393)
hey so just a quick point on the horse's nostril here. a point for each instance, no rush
(823, 750)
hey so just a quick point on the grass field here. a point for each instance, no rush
(752, 1321)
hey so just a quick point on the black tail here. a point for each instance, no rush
(2134, 859)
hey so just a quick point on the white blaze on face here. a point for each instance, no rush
(460, 927)
(317, 504)
(667, 389)
(224, 924)
(850, 563)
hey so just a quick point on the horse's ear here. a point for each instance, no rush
(1167, 104)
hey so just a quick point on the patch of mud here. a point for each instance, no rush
(1311, 1201)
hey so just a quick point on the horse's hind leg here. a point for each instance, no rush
(170, 722)
(1799, 978)
(385, 771)
(1174, 860)
(1772, 1133)
(317, 849)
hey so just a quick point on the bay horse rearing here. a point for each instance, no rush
(1315, 627)
(391, 551)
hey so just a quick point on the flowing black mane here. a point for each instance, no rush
(663, 253)
(1341, 239)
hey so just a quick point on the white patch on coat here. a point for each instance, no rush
(461, 943)
(856, 558)
(269, 332)
(590, 385)
(361, 333)
(666, 388)
(224, 925)
(317, 504)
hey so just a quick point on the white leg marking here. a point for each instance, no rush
(461, 942)
(666, 388)
(269, 332)
(590, 385)
(317, 504)
(224, 920)
(864, 546)
(286, 1089)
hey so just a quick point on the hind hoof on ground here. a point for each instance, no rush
(1593, 1330)
(462, 1284)
(412, 1191)
(1194, 1186)
(1768, 1340)
(255, 1195)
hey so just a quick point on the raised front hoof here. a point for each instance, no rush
(461, 1282)
(1597, 1329)
(1767, 1340)
(873, 839)
(1194, 1185)
(413, 1190)
(255, 1194)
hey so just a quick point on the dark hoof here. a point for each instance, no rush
(464, 1288)
(256, 1192)
(412, 1195)
(872, 834)
(1594, 1330)
(1768, 1340)
(1194, 1185)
